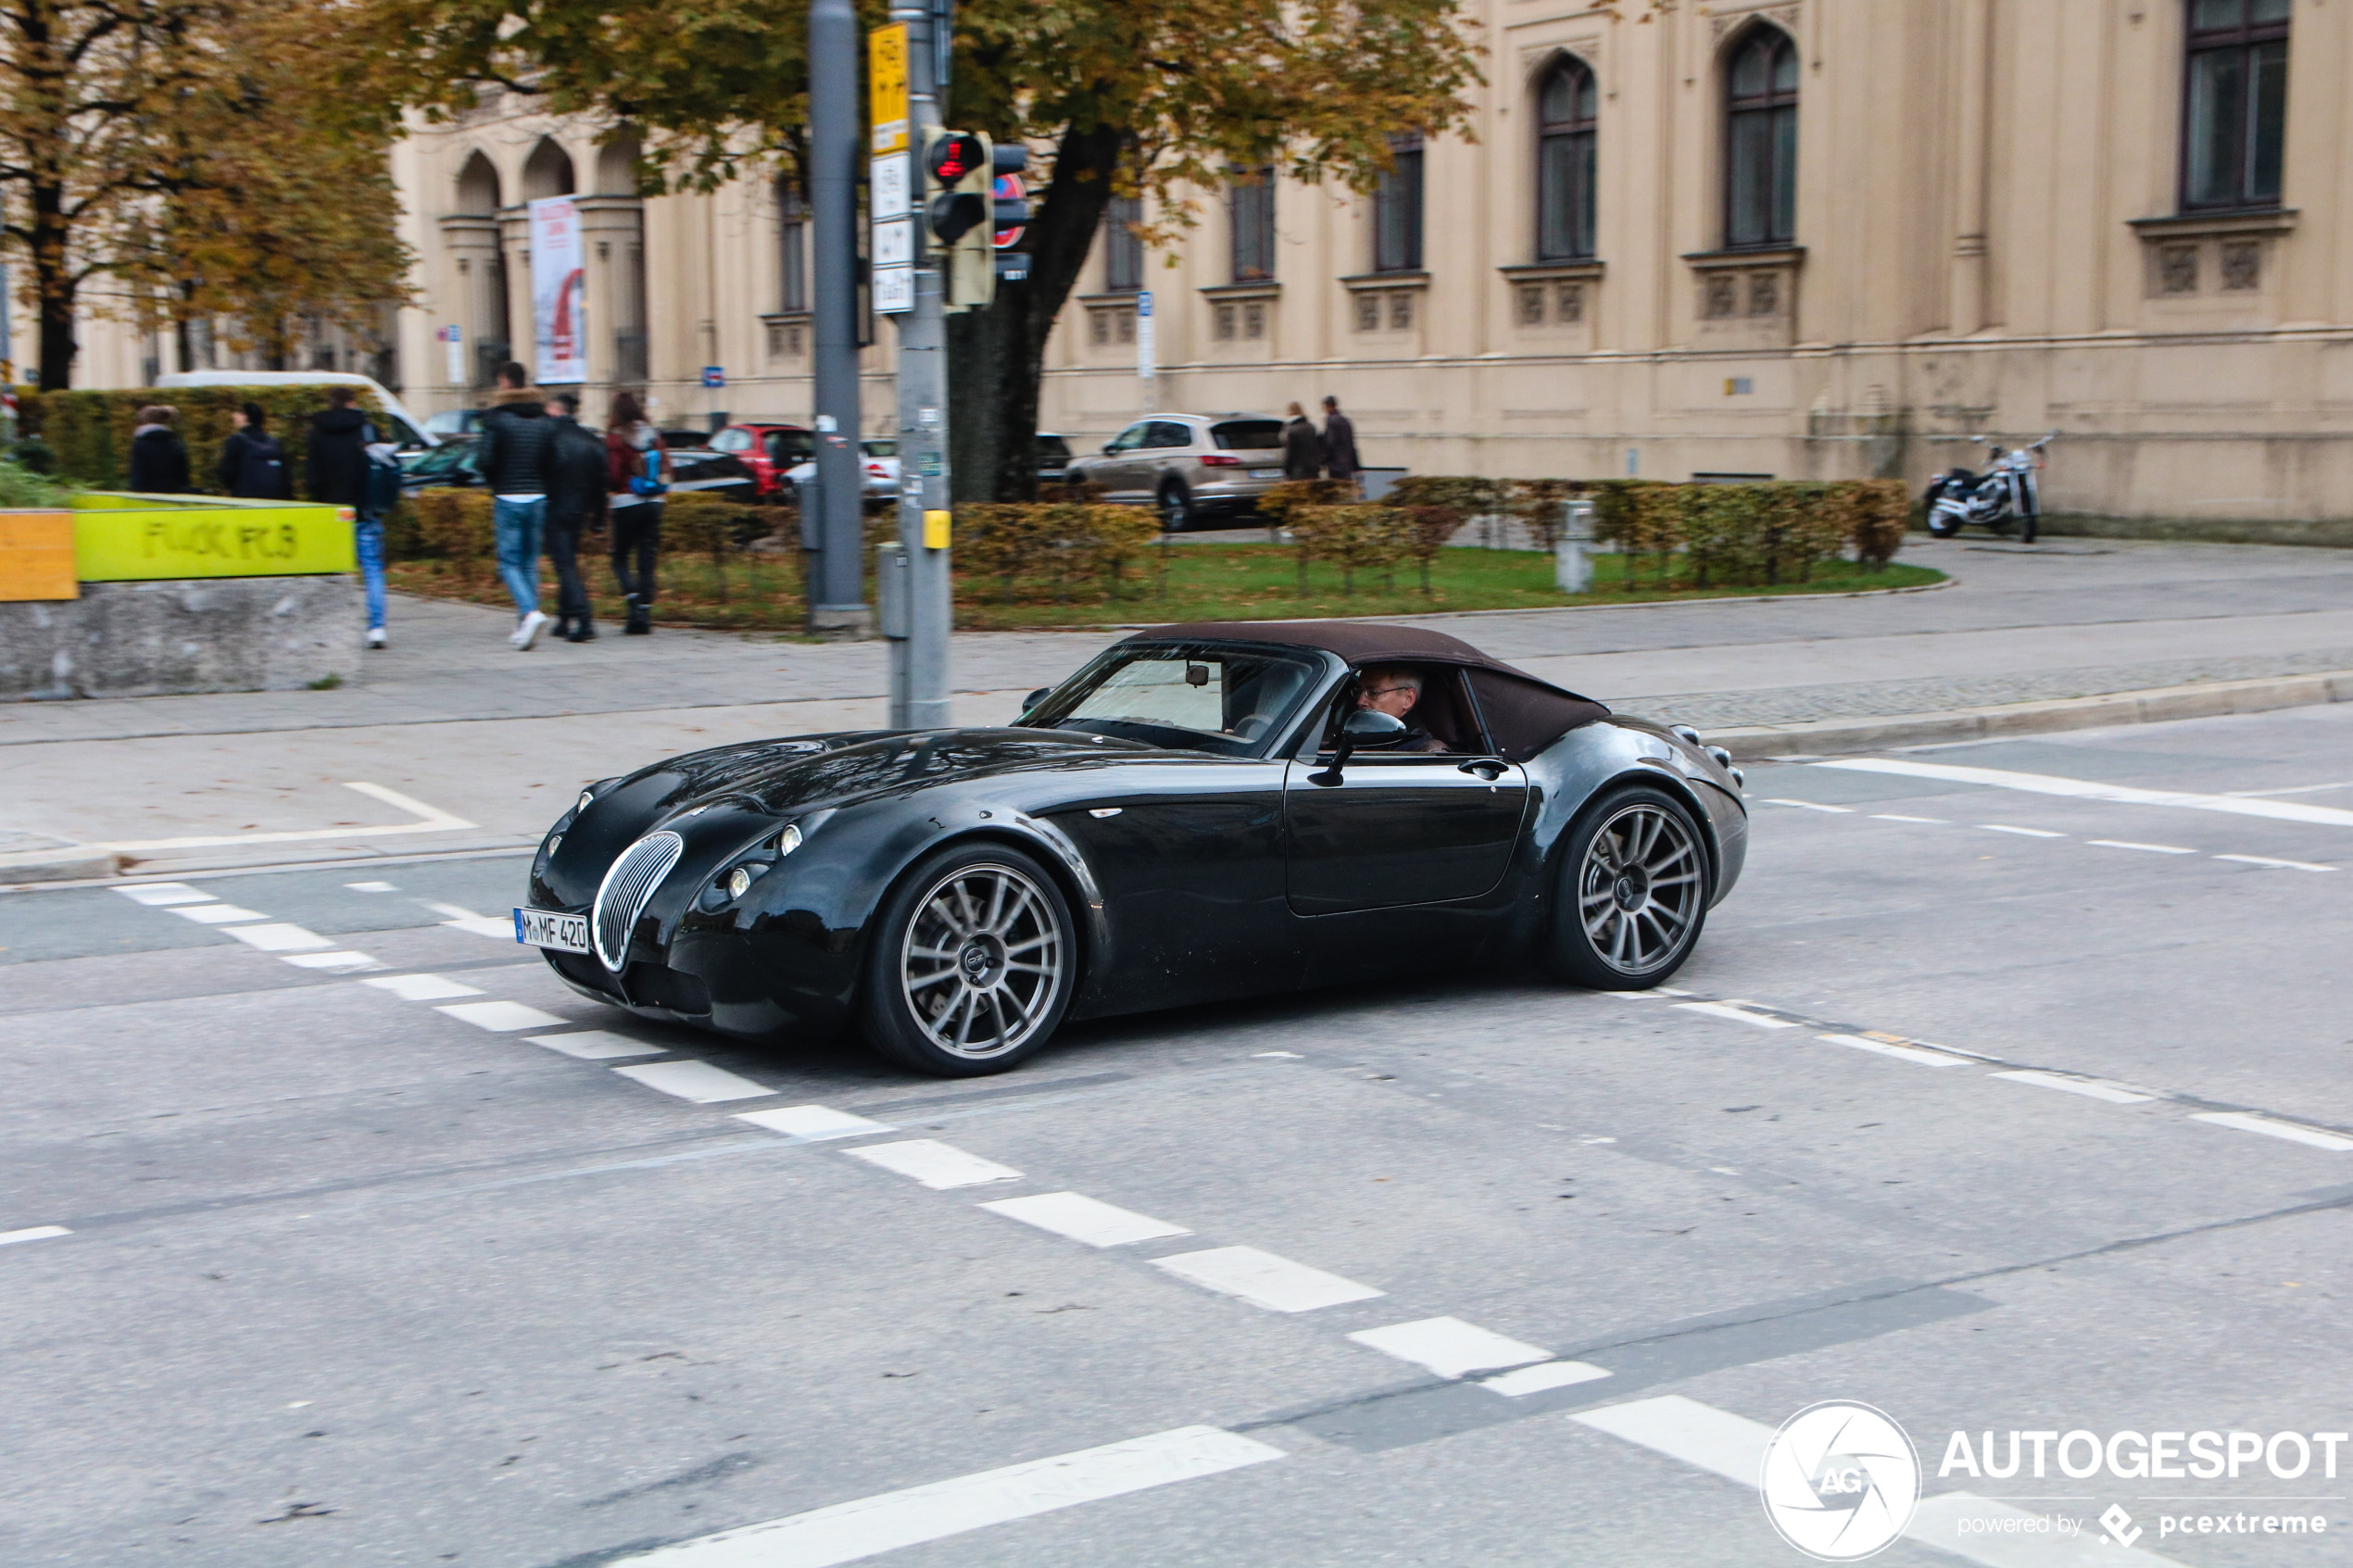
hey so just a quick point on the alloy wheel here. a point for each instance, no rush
(1638, 891)
(983, 962)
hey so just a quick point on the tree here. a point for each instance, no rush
(191, 155)
(1140, 97)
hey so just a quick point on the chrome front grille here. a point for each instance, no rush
(623, 897)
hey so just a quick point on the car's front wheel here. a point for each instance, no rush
(1175, 507)
(973, 963)
(1633, 891)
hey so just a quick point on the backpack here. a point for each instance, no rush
(384, 475)
(261, 469)
(648, 481)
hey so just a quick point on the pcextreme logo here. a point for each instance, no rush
(1839, 1481)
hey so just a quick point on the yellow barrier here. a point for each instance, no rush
(129, 538)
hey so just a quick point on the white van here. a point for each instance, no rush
(409, 433)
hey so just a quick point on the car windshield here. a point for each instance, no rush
(880, 449)
(1186, 697)
(1249, 435)
(454, 456)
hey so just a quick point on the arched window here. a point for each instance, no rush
(1760, 141)
(547, 171)
(1565, 115)
(478, 187)
(2234, 107)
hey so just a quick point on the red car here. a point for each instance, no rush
(769, 448)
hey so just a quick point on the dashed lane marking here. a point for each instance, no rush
(1540, 1379)
(2090, 1088)
(2280, 865)
(938, 1166)
(2022, 833)
(1737, 1012)
(161, 895)
(1450, 1346)
(276, 936)
(1085, 1219)
(499, 928)
(1896, 817)
(216, 913)
(345, 962)
(32, 1233)
(2086, 789)
(2293, 1132)
(812, 1124)
(1900, 1052)
(850, 1531)
(2128, 843)
(597, 1045)
(1264, 1279)
(1806, 805)
(696, 1081)
(503, 1018)
(372, 887)
(423, 987)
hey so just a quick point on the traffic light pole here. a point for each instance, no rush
(919, 697)
(836, 534)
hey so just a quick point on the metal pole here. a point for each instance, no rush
(836, 588)
(919, 698)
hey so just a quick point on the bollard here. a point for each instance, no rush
(1572, 568)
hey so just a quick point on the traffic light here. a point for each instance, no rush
(957, 166)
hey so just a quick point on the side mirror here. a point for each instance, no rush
(1034, 699)
(1364, 725)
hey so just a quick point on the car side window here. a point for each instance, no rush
(1168, 432)
(1129, 439)
(732, 441)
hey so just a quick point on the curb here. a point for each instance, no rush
(77, 863)
(2212, 699)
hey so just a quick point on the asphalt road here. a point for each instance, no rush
(363, 1268)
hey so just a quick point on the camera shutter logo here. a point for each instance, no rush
(1839, 1481)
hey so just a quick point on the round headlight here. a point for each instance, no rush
(739, 883)
(586, 799)
(788, 841)
(555, 842)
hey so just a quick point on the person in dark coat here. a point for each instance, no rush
(335, 468)
(1339, 443)
(575, 504)
(514, 457)
(1302, 448)
(158, 457)
(253, 463)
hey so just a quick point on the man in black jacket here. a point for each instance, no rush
(335, 468)
(514, 458)
(252, 464)
(576, 500)
(158, 459)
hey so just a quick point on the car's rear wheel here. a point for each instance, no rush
(1175, 507)
(975, 960)
(1633, 891)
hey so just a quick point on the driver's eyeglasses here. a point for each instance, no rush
(1385, 691)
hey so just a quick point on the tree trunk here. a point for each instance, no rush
(54, 285)
(996, 356)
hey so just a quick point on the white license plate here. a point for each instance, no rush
(1266, 473)
(551, 928)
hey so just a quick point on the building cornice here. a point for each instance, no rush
(2209, 225)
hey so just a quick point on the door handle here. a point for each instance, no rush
(1485, 769)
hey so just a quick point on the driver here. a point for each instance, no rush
(1396, 690)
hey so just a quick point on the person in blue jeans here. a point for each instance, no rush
(337, 472)
(516, 452)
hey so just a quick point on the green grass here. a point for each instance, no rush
(1176, 583)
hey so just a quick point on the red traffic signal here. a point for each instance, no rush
(953, 156)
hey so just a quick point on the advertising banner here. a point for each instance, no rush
(558, 293)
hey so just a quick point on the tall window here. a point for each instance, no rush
(2235, 103)
(1565, 115)
(792, 238)
(1760, 141)
(1251, 202)
(1123, 252)
(1397, 209)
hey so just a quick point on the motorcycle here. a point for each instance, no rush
(2006, 497)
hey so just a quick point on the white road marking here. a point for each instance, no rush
(423, 987)
(1263, 1279)
(2022, 833)
(937, 1165)
(2282, 865)
(162, 895)
(696, 1081)
(1085, 1219)
(346, 963)
(2293, 1132)
(1737, 1013)
(812, 1124)
(2086, 789)
(277, 938)
(2293, 789)
(217, 914)
(1537, 1379)
(1902, 1053)
(1806, 805)
(433, 820)
(32, 1233)
(2128, 843)
(596, 1045)
(1659, 991)
(1701, 1435)
(372, 887)
(499, 928)
(850, 1531)
(1893, 817)
(1450, 1346)
(501, 1018)
(2090, 1088)
(1276, 1056)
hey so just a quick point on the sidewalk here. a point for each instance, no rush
(451, 724)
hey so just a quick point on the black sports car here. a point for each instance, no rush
(1203, 811)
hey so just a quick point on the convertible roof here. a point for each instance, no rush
(1359, 641)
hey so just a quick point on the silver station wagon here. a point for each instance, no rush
(1190, 466)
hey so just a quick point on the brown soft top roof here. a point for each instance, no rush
(1358, 642)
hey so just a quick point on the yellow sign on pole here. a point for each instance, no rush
(887, 87)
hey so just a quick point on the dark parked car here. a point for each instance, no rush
(716, 473)
(1053, 458)
(1204, 811)
(452, 462)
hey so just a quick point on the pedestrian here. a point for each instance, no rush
(253, 464)
(1302, 449)
(515, 454)
(575, 504)
(638, 475)
(335, 470)
(159, 459)
(1339, 444)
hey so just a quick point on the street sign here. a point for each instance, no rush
(1010, 188)
(891, 250)
(454, 339)
(887, 86)
(714, 376)
(1144, 345)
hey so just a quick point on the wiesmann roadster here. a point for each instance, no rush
(1203, 811)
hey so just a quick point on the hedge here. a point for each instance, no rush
(89, 432)
(1066, 542)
